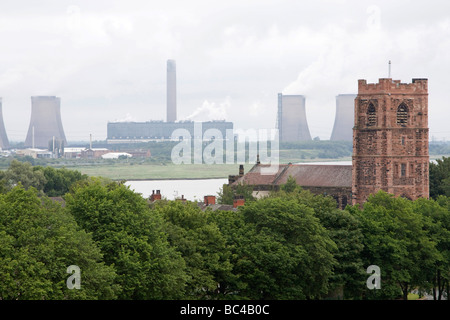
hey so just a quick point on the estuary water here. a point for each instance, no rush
(192, 189)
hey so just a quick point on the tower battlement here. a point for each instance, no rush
(387, 85)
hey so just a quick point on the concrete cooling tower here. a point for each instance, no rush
(292, 123)
(171, 91)
(45, 123)
(4, 143)
(344, 120)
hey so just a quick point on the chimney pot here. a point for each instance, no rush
(209, 200)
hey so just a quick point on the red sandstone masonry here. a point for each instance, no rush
(388, 154)
(385, 85)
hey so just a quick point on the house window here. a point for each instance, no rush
(371, 115)
(402, 115)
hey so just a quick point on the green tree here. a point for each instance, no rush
(131, 237)
(348, 277)
(23, 173)
(58, 181)
(290, 185)
(201, 244)
(227, 194)
(279, 250)
(439, 213)
(395, 239)
(440, 177)
(38, 241)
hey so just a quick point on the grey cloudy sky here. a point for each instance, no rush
(107, 59)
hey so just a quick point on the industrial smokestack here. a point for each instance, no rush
(45, 122)
(292, 124)
(344, 120)
(171, 91)
(4, 143)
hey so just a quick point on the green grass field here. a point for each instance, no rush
(158, 172)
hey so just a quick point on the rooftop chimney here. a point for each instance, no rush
(241, 170)
(155, 196)
(238, 201)
(209, 200)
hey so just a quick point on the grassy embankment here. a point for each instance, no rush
(159, 166)
(134, 170)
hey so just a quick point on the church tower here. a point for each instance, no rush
(390, 139)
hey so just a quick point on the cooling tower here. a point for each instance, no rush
(45, 122)
(344, 120)
(292, 123)
(4, 143)
(171, 91)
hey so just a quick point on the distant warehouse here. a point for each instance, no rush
(129, 132)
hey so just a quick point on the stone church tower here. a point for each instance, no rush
(390, 139)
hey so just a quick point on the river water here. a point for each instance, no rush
(194, 189)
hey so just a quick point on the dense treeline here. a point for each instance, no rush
(289, 245)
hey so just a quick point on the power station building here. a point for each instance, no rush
(133, 132)
(390, 150)
(291, 118)
(4, 142)
(345, 114)
(45, 123)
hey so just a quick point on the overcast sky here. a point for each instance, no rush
(106, 60)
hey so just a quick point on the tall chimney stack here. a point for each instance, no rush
(171, 91)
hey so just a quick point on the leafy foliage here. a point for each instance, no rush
(38, 242)
(131, 238)
(289, 245)
(396, 239)
(227, 194)
(47, 180)
(440, 178)
(200, 243)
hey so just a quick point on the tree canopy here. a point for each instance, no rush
(39, 240)
(290, 244)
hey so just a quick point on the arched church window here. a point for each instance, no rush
(371, 115)
(402, 115)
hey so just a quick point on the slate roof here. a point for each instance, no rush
(214, 207)
(304, 174)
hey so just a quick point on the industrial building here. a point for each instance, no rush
(291, 118)
(133, 132)
(45, 123)
(4, 142)
(345, 114)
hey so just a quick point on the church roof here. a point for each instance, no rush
(304, 174)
